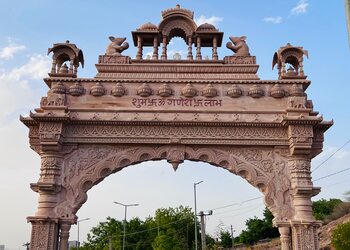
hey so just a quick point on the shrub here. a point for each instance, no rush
(341, 237)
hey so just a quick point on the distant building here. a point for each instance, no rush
(2, 247)
(71, 244)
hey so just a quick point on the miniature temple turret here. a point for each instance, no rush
(294, 57)
(64, 53)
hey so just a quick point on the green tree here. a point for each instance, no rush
(258, 229)
(323, 208)
(341, 237)
(225, 239)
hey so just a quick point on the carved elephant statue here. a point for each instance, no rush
(238, 46)
(117, 46)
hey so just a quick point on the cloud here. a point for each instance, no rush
(19, 89)
(301, 8)
(271, 19)
(214, 20)
(9, 51)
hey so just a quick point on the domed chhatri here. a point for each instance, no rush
(165, 90)
(206, 27)
(118, 90)
(234, 91)
(144, 90)
(148, 27)
(98, 90)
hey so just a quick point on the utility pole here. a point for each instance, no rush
(202, 215)
(233, 242)
(195, 213)
(26, 245)
(125, 209)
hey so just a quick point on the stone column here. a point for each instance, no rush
(285, 238)
(304, 225)
(64, 235)
(155, 48)
(215, 49)
(189, 54)
(139, 48)
(198, 50)
(53, 67)
(164, 52)
(71, 63)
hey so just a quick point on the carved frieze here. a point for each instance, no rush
(53, 100)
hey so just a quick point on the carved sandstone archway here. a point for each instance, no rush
(217, 111)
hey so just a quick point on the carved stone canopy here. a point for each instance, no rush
(294, 57)
(62, 53)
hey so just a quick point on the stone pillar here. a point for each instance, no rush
(44, 233)
(64, 235)
(164, 52)
(285, 238)
(71, 63)
(155, 48)
(53, 67)
(198, 50)
(139, 48)
(215, 49)
(304, 225)
(189, 54)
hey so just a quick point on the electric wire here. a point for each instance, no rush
(329, 175)
(319, 165)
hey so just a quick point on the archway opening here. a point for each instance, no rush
(154, 184)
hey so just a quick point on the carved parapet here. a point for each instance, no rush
(113, 59)
(239, 60)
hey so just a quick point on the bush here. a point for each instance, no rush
(339, 211)
(341, 237)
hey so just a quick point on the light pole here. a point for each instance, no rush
(125, 209)
(78, 229)
(195, 213)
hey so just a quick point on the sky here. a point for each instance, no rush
(29, 27)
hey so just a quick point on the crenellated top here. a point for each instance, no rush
(176, 12)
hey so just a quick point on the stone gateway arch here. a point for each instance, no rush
(214, 110)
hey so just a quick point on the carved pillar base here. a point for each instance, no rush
(285, 238)
(44, 233)
(305, 235)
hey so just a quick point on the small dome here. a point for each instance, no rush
(206, 27)
(148, 27)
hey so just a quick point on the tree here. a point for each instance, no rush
(258, 229)
(323, 208)
(169, 227)
(225, 239)
(341, 237)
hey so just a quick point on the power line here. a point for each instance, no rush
(326, 176)
(236, 204)
(318, 166)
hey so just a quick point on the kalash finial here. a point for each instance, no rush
(178, 6)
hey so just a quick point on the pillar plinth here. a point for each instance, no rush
(44, 234)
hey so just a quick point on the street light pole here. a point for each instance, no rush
(195, 213)
(125, 209)
(78, 229)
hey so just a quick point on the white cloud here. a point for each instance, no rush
(214, 20)
(9, 51)
(18, 89)
(301, 8)
(271, 19)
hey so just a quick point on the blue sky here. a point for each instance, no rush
(30, 27)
